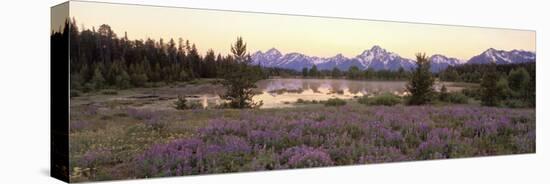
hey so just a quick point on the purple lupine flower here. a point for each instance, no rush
(177, 156)
(261, 137)
(303, 156)
(234, 144)
(390, 136)
(441, 133)
(341, 136)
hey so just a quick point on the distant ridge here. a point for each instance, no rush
(378, 58)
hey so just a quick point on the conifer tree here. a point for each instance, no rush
(242, 79)
(313, 71)
(336, 73)
(489, 90)
(519, 82)
(421, 82)
(354, 72)
(97, 81)
(443, 93)
(123, 80)
(504, 90)
(305, 72)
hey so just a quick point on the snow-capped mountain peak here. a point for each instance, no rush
(440, 62)
(492, 55)
(438, 58)
(378, 58)
(377, 49)
(339, 57)
(273, 52)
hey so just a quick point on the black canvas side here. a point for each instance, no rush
(59, 89)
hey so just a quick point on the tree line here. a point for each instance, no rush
(355, 73)
(506, 84)
(101, 59)
(473, 73)
(512, 85)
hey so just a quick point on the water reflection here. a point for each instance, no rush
(284, 92)
(277, 93)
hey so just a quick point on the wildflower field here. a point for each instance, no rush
(122, 140)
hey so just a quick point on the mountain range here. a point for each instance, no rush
(378, 58)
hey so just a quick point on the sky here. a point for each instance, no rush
(314, 36)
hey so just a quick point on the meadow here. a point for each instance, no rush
(116, 137)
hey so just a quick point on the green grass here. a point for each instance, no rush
(335, 102)
(386, 99)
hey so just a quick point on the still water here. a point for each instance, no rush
(278, 93)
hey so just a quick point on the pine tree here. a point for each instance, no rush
(139, 79)
(123, 80)
(369, 73)
(313, 71)
(242, 79)
(209, 69)
(97, 81)
(305, 72)
(183, 75)
(503, 88)
(489, 90)
(75, 81)
(113, 73)
(354, 72)
(421, 83)
(443, 93)
(400, 73)
(138, 76)
(519, 81)
(336, 72)
(194, 61)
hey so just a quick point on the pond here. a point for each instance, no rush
(280, 93)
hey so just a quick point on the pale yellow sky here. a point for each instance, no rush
(313, 36)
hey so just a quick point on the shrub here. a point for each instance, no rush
(456, 98)
(516, 103)
(302, 101)
(109, 92)
(195, 105)
(387, 99)
(181, 103)
(472, 92)
(335, 102)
